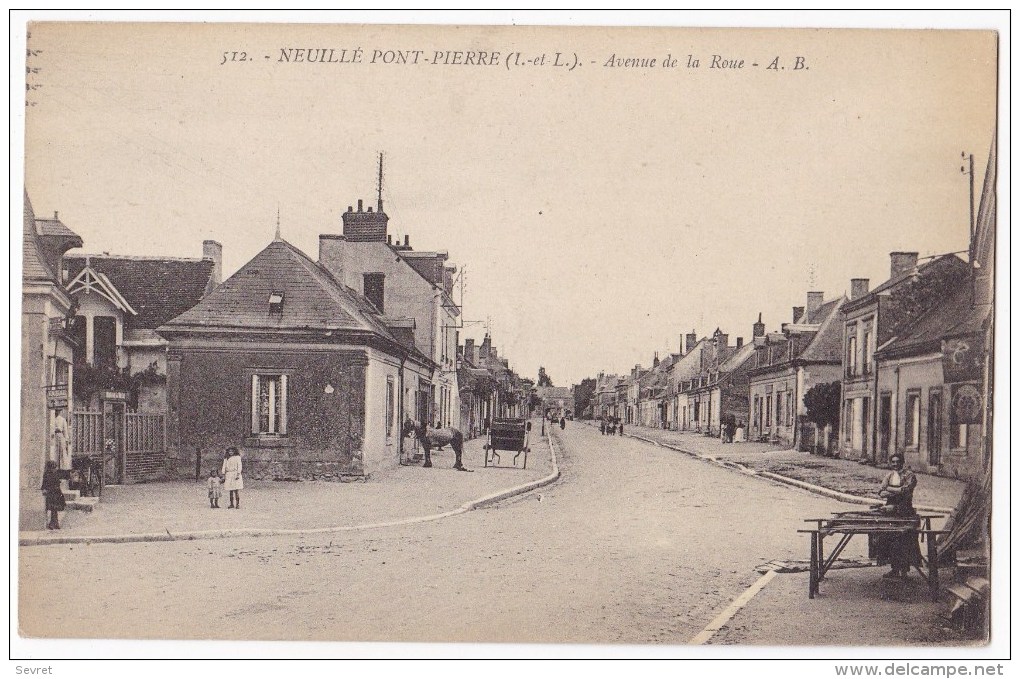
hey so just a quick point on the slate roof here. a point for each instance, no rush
(34, 267)
(312, 298)
(953, 317)
(932, 265)
(827, 344)
(736, 358)
(157, 288)
(53, 227)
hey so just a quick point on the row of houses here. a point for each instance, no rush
(904, 366)
(309, 366)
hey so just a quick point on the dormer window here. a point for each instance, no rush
(276, 303)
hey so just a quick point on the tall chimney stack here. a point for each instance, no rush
(858, 287)
(814, 303)
(691, 339)
(213, 251)
(901, 263)
(759, 328)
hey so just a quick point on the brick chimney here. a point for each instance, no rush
(722, 340)
(798, 311)
(483, 351)
(814, 303)
(213, 251)
(469, 350)
(858, 287)
(740, 342)
(362, 226)
(759, 328)
(655, 360)
(690, 340)
(901, 263)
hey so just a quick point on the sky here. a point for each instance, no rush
(600, 212)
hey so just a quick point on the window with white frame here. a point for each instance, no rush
(269, 404)
(958, 436)
(851, 349)
(912, 427)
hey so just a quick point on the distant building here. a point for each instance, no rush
(807, 352)
(719, 391)
(557, 402)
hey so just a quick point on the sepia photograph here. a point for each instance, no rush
(517, 337)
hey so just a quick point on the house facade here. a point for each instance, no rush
(300, 372)
(47, 355)
(870, 320)
(119, 301)
(557, 402)
(807, 352)
(934, 377)
(415, 287)
(716, 385)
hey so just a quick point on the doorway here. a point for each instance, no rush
(935, 427)
(884, 426)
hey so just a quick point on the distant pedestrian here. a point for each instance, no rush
(563, 423)
(602, 426)
(215, 489)
(621, 427)
(233, 482)
(54, 494)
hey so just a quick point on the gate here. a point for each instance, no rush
(134, 443)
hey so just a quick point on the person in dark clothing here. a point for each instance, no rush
(621, 427)
(900, 550)
(602, 426)
(54, 494)
(563, 423)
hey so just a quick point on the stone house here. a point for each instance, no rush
(787, 364)
(47, 353)
(935, 376)
(300, 372)
(402, 283)
(870, 320)
(119, 301)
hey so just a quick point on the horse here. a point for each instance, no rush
(429, 436)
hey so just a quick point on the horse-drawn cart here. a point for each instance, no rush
(507, 434)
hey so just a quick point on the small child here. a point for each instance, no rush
(214, 490)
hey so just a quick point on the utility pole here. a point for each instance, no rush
(379, 187)
(968, 170)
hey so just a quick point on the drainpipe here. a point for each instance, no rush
(400, 408)
(874, 396)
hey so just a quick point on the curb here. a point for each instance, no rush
(167, 536)
(786, 480)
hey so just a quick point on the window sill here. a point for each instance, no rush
(268, 441)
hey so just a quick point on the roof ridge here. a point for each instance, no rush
(138, 258)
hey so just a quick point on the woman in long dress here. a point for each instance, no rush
(232, 479)
(899, 550)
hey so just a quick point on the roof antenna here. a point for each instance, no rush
(379, 205)
(277, 237)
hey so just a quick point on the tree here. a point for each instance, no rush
(583, 394)
(543, 378)
(822, 404)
